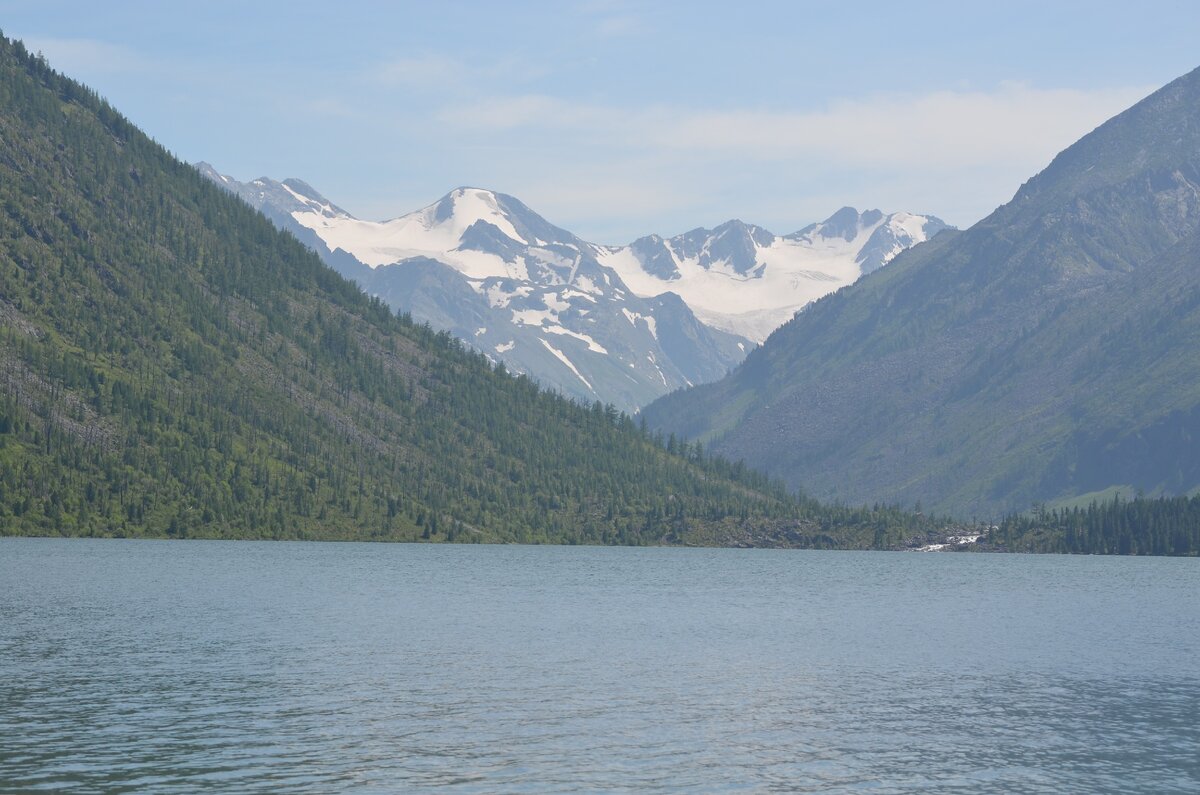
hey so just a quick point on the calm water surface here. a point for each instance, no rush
(185, 666)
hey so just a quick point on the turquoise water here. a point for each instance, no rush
(243, 666)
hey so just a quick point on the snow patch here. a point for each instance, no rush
(634, 317)
(586, 284)
(555, 303)
(563, 358)
(654, 363)
(651, 324)
(552, 258)
(498, 297)
(593, 346)
(533, 317)
(569, 294)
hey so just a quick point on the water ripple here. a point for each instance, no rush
(166, 667)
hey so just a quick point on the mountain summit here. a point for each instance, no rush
(745, 280)
(1046, 353)
(619, 324)
(478, 232)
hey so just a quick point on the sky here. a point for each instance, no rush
(618, 119)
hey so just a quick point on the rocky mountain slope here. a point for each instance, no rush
(1046, 353)
(617, 324)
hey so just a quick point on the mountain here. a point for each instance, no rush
(594, 322)
(173, 365)
(489, 270)
(1045, 354)
(745, 280)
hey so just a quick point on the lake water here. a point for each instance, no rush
(244, 666)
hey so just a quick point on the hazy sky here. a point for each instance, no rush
(618, 119)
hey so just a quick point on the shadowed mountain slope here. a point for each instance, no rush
(1045, 353)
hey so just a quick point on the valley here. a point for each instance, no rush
(618, 324)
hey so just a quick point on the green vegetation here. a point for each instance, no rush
(1045, 353)
(1164, 526)
(174, 366)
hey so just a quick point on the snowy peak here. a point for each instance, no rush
(619, 323)
(289, 196)
(464, 208)
(532, 227)
(846, 224)
(306, 197)
(876, 237)
(733, 245)
(898, 232)
(655, 258)
(459, 210)
(478, 232)
(745, 280)
(206, 169)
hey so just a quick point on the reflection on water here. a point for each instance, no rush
(135, 666)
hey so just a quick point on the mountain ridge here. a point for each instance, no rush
(747, 280)
(970, 373)
(485, 267)
(580, 317)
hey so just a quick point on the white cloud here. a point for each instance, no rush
(940, 129)
(427, 71)
(86, 56)
(614, 171)
(613, 18)
(602, 201)
(957, 153)
(435, 74)
(619, 25)
(946, 128)
(330, 107)
(541, 111)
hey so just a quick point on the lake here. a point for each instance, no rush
(308, 667)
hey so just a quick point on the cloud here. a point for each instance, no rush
(603, 199)
(940, 129)
(531, 111)
(330, 107)
(619, 25)
(87, 56)
(612, 18)
(615, 171)
(428, 71)
(958, 153)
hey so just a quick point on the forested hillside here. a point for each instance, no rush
(172, 365)
(1165, 526)
(1046, 354)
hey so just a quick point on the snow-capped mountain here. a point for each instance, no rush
(747, 281)
(619, 324)
(488, 269)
